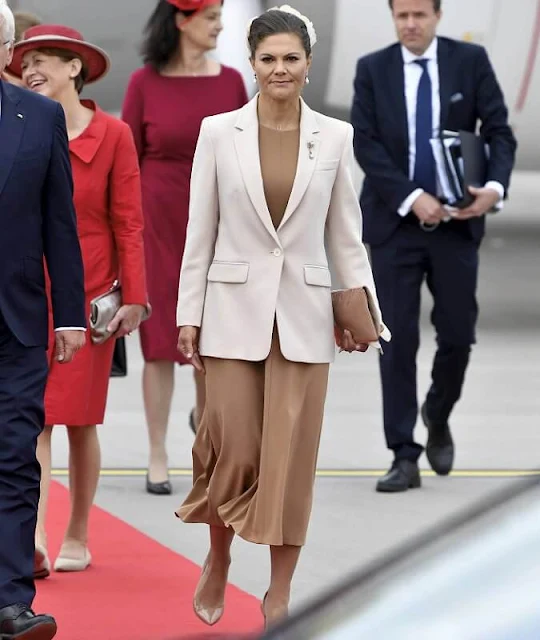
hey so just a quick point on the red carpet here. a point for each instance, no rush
(136, 589)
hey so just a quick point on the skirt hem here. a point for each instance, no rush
(237, 531)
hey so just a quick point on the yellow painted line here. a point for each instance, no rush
(333, 473)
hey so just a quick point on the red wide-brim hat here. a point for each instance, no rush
(57, 36)
(192, 5)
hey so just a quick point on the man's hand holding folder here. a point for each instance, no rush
(485, 200)
(461, 159)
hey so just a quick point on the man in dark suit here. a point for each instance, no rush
(405, 95)
(38, 220)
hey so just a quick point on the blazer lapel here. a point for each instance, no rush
(307, 160)
(446, 80)
(12, 122)
(89, 142)
(396, 92)
(246, 141)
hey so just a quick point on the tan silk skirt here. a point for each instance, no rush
(255, 453)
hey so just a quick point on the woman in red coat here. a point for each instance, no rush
(56, 62)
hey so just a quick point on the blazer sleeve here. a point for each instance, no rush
(132, 112)
(348, 255)
(201, 232)
(60, 238)
(125, 206)
(493, 114)
(388, 180)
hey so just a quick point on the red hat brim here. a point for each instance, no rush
(96, 60)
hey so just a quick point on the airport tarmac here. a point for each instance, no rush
(495, 426)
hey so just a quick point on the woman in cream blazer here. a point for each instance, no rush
(271, 184)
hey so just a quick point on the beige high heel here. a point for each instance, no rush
(42, 564)
(208, 616)
(64, 564)
(263, 610)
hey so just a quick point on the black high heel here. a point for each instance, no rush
(158, 488)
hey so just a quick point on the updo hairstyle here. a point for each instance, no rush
(275, 22)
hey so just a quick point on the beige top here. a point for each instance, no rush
(278, 152)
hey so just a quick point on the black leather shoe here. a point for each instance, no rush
(19, 622)
(157, 489)
(403, 475)
(440, 446)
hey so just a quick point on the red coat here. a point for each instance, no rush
(107, 197)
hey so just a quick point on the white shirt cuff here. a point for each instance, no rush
(70, 329)
(407, 204)
(497, 186)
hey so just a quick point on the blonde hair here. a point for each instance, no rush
(23, 21)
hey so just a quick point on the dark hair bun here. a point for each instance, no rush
(276, 21)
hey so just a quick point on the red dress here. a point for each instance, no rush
(107, 200)
(165, 115)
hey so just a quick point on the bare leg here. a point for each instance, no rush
(158, 386)
(210, 593)
(200, 395)
(44, 458)
(283, 564)
(84, 468)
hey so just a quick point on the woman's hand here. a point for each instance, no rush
(127, 319)
(188, 345)
(346, 342)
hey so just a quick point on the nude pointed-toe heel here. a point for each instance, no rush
(208, 615)
(263, 611)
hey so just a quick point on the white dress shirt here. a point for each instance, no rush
(413, 73)
(58, 328)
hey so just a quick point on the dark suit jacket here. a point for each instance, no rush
(37, 218)
(381, 140)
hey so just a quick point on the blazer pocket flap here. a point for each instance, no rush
(327, 165)
(231, 272)
(318, 276)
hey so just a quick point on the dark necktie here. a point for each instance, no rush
(424, 167)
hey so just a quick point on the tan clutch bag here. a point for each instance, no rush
(103, 308)
(352, 311)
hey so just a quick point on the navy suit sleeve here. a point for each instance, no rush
(388, 180)
(493, 114)
(60, 239)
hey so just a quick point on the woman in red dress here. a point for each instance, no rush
(56, 62)
(165, 103)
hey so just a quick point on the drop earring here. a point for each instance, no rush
(307, 79)
(255, 78)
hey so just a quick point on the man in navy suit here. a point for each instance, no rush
(405, 95)
(38, 220)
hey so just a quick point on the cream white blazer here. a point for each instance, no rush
(239, 272)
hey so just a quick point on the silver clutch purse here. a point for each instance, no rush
(102, 311)
(104, 308)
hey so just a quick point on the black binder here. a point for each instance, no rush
(469, 158)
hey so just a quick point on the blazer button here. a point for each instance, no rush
(276, 252)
